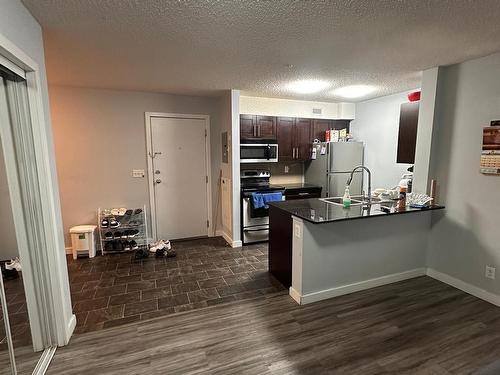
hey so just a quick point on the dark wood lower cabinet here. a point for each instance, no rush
(280, 245)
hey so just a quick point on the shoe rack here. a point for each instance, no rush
(122, 230)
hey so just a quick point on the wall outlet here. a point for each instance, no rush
(287, 169)
(490, 272)
(297, 231)
(138, 173)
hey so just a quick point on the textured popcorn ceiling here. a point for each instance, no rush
(202, 47)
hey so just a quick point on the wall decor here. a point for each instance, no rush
(490, 153)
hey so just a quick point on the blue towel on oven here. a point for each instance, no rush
(261, 200)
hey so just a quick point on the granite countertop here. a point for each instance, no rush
(317, 211)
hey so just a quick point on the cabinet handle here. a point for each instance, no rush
(258, 131)
(255, 130)
(297, 152)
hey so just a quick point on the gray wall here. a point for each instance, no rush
(100, 138)
(377, 124)
(466, 238)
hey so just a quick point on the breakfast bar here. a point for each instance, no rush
(320, 250)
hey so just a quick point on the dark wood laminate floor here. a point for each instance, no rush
(418, 326)
(116, 289)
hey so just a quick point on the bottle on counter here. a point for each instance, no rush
(346, 199)
(402, 196)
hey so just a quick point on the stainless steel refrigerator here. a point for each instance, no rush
(332, 168)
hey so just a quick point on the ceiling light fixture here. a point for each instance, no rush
(308, 86)
(354, 91)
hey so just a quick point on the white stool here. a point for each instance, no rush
(83, 240)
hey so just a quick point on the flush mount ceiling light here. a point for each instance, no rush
(354, 91)
(308, 86)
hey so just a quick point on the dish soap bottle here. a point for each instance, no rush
(346, 199)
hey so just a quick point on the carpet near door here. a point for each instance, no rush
(116, 289)
(418, 326)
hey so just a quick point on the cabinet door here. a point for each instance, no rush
(407, 139)
(266, 126)
(303, 138)
(285, 137)
(341, 124)
(247, 126)
(319, 129)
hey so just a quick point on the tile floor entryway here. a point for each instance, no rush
(117, 289)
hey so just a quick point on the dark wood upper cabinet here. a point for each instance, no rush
(294, 139)
(319, 127)
(257, 127)
(285, 136)
(247, 126)
(293, 135)
(303, 138)
(266, 127)
(407, 138)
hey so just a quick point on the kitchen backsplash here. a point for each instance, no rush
(278, 176)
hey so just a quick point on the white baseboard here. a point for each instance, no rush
(228, 239)
(356, 287)
(466, 287)
(295, 295)
(70, 329)
(69, 250)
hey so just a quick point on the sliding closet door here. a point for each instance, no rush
(24, 327)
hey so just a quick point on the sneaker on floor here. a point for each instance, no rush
(108, 235)
(127, 246)
(134, 245)
(14, 264)
(104, 223)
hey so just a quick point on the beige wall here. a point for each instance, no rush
(100, 137)
(8, 246)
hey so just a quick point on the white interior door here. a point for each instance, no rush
(180, 177)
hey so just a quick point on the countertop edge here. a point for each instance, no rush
(429, 209)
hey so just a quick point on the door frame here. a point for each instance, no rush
(149, 156)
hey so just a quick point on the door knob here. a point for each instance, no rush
(157, 172)
(158, 181)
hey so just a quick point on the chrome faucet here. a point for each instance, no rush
(369, 180)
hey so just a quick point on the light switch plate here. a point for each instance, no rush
(138, 173)
(490, 272)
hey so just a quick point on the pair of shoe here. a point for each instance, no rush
(119, 211)
(110, 222)
(130, 245)
(162, 248)
(118, 235)
(14, 264)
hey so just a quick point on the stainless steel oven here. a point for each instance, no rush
(255, 222)
(259, 153)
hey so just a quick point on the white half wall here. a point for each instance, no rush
(377, 125)
(466, 238)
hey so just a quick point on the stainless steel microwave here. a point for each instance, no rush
(258, 153)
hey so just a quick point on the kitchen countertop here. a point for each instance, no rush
(318, 212)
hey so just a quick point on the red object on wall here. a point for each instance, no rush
(414, 96)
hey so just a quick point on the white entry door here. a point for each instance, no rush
(180, 177)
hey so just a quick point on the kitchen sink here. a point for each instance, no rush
(356, 200)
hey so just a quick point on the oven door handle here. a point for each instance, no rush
(255, 230)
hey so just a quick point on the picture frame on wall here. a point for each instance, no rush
(490, 152)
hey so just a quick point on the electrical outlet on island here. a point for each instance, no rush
(287, 169)
(490, 272)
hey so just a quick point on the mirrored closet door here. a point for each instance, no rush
(21, 328)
